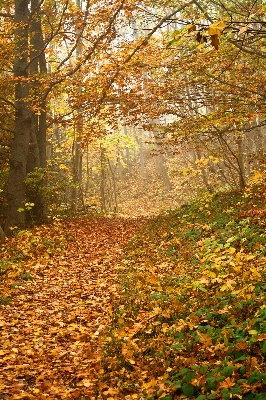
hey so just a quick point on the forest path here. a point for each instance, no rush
(49, 343)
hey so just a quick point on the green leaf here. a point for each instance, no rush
(182, 372)
(259, 396)
(227, 371)
(177, 346)
(210, 384)
(242, 370)
(256, 377)
(226, 394)
(212, 396)
(263, 347)
(27, 276)
(202, 289)
(188, 390)
(177, 384)
(203, 369)
(235, 389)
(189, 376)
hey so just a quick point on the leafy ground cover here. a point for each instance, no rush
(191, 320)
(177, 312)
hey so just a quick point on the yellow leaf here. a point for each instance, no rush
(257, 176)
(200, 46)
(216, 28)
(149, 384)
(231, 250)
(132, 361)
(255, 273)
(211, 274)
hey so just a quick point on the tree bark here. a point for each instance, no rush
(16, 190)
(77, 198)
(37, 149)
(2, 235)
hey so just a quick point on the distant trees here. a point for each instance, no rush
(207, 92)
(72, 71)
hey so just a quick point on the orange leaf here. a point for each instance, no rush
(227, 383)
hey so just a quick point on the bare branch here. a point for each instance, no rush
(6, 15)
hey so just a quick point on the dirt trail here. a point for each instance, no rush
(49, 347)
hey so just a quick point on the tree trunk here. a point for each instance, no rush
(37, 149)
(2, 235)
(102, 179)
(16, 190)
(241, 165)
(77, 198)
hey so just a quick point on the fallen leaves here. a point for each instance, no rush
(50, 335)
(178, 315)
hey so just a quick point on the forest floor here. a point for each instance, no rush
(168, 307)
(62, 281)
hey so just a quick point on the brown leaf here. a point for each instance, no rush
(192, 28)
(215, 41)
(76, 394)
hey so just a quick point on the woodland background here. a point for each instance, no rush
(127, 106)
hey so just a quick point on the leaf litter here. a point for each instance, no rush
(170, 307)
(50, 332)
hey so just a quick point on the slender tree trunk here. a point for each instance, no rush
(16, 191)
(112, 172)
(103, 179)
(77, 191)
(139, 139)
(241, 165)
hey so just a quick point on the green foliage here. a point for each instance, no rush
(5, 300)
(51, 185)
(26, 276)
(28, 207)
(4, 265)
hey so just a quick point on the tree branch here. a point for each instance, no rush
(6, 15)
(7, 102)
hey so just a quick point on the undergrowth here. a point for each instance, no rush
(191, 318)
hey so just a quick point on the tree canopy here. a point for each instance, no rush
(189, 74)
